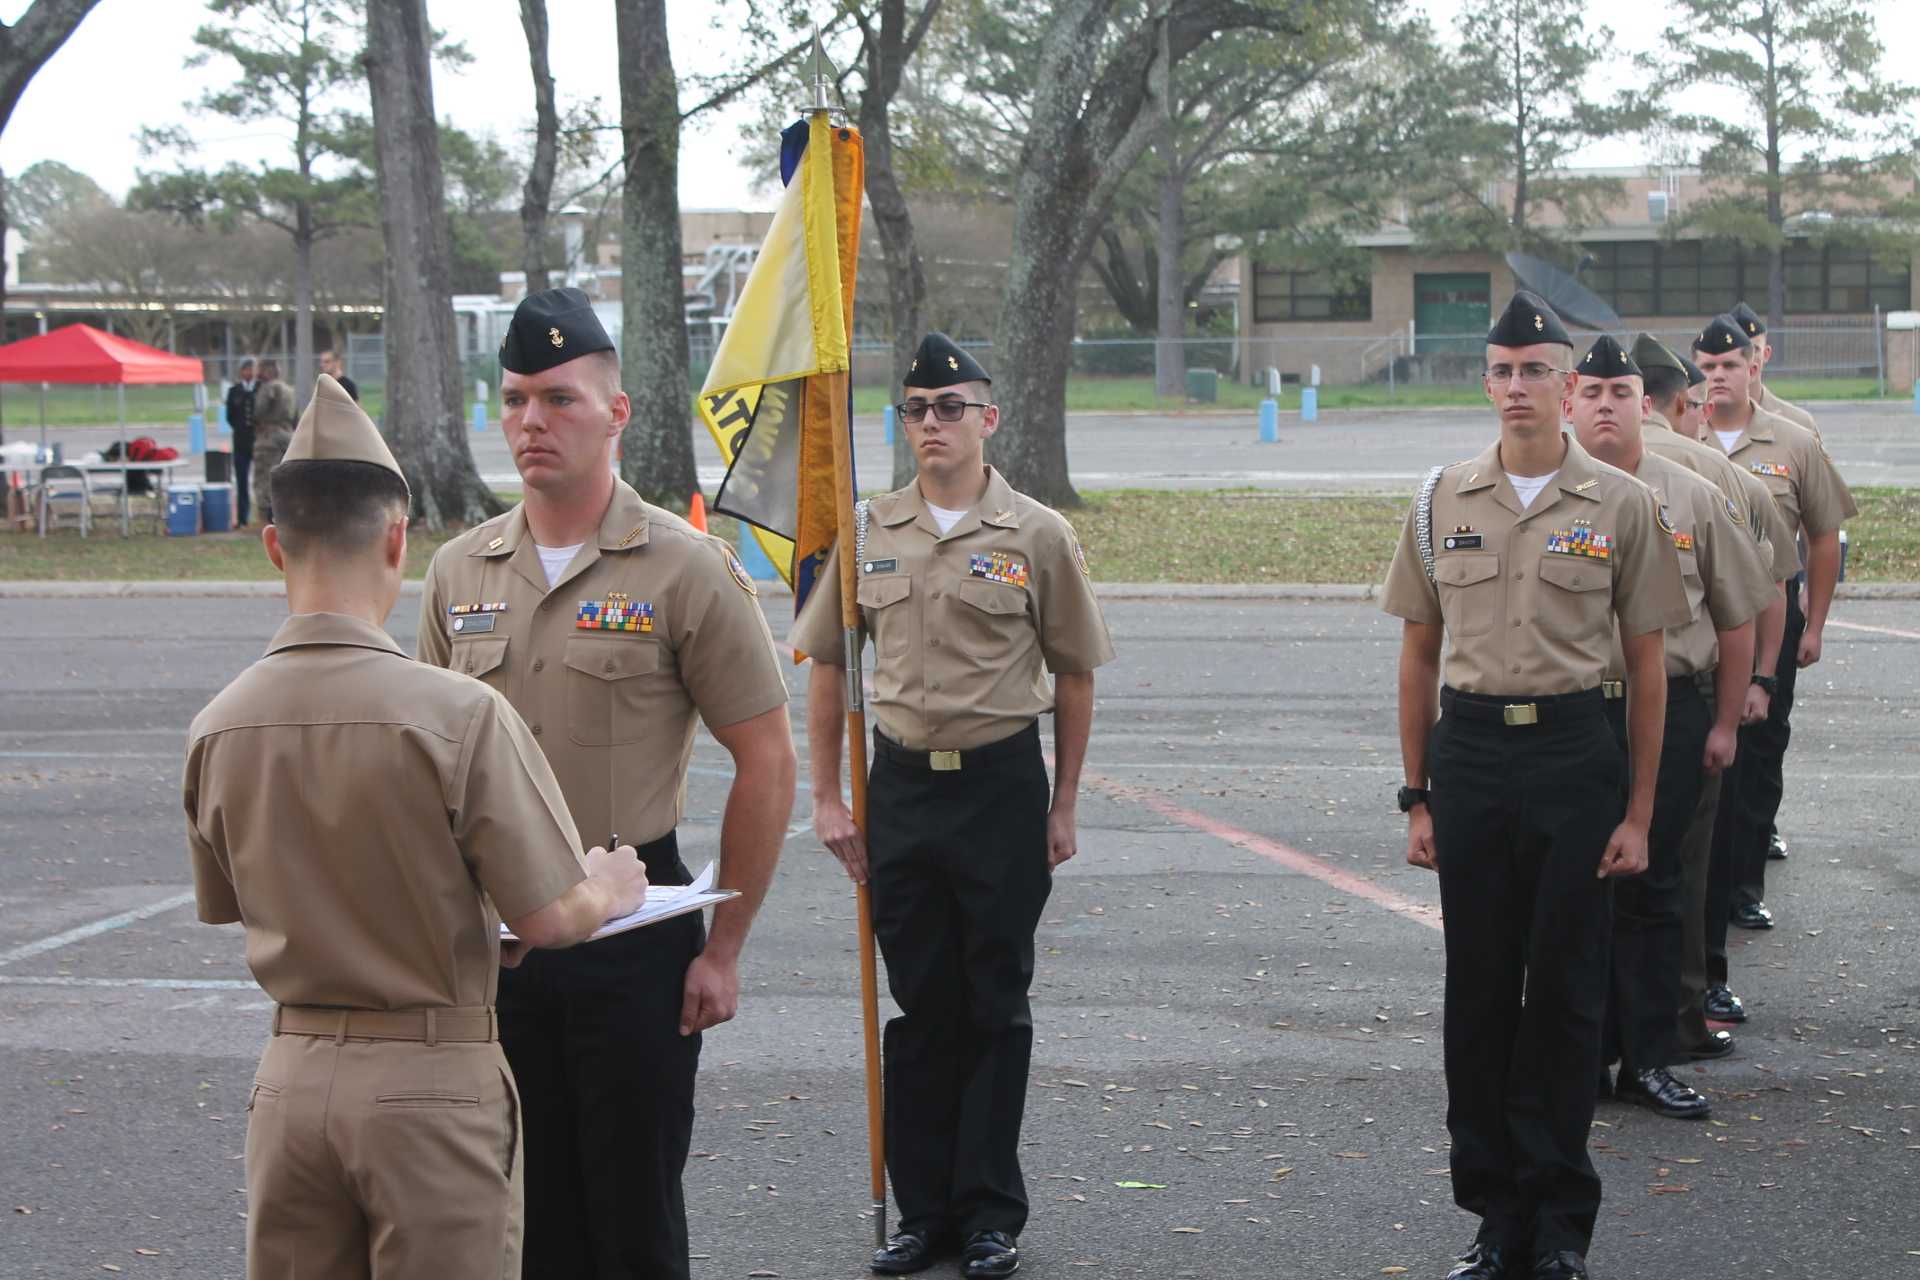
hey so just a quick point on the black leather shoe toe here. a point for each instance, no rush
(905, 1254)
(1718, 1044)
(1564, 1265)
(988, 1254)
(1482, 1262)
(1722, 1005)
(1751, 915)
(1657, 1090)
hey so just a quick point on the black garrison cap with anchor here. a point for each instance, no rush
(1722, 334)
(1606, 358)
(1695, 374)
(549, 328)
(940, 362)
(1651, 353)
(1528, 320)
(1749, 319)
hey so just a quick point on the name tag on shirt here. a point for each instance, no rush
(880, 566)
(1462, 541)
(473, 624)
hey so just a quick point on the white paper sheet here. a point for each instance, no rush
(664, 901)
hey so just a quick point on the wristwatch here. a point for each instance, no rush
(1411, 796)
(1769, 683)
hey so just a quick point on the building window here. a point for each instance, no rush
(1703, 277)
(1281, 294)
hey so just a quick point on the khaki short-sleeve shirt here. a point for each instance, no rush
(1529, 595)
(1796, 470)
(963, 622)
(1753, 505)
(651, 624)
(370, 820)
(1786, 409)
(1727, 579)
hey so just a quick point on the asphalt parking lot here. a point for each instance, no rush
(1237, 1001)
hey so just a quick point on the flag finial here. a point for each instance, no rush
(821, 78)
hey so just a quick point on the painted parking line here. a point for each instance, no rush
(1879, 631)
(81, 933)
(1273, 850)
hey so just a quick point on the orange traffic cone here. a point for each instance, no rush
(697, 512)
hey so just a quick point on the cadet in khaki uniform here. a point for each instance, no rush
(370, 821)
(1669, 380)
(968, 590)
(1812, 500)
(1708, 660)
(1756, 330)
(610, 625)
(1522, 560)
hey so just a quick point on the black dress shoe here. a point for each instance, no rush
(1723, 1006)
(1482, 1262)
(1605, 1089)
(905, 1254)
(1718, 1044)
(1751, 915)
(987, 1254)
(1657, 1090)
(1564, 1265)
(1776, 849)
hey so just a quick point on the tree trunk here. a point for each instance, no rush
(657, 446)
(1170, 327)
(423, 373)
(303, 238)
(1776, 210)
(538, 192)
(906, 273)
(3, 289)
(1033, 347)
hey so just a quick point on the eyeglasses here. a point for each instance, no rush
(1529, 372)
(946, 410)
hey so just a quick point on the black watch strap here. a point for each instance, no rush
(1411, 796)
(1770, 683)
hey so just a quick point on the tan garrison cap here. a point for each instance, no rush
(335, 429)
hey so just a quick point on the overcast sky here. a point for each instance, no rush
(124, 68)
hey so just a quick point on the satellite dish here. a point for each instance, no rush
(1572, 301)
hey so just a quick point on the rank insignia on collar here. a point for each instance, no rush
(1003, 515)
(496, 544)
(1778, 470)
(630, 535)
(498, 606)
(1585, 485)
(998, 566)
(1581, 540)
(617, 612)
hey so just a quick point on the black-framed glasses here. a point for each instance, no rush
(1530, 372)
(946, 409)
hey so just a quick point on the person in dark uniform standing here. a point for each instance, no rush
(240, 423)
(971, 593)
(1522, 560)
(613, 626)
(1708, 659)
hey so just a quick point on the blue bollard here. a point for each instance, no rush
(1309, 404)
(1269, 421)
(758, 566)
(196, 433)
(479, 416)
(220, 416)
(886, 417)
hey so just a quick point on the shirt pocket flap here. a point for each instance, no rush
(993, 597)
(1464, 571)
(478, 657)
(613, 659)
(879, 592)
(1574, 574)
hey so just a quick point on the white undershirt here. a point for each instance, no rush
(554, 561)
(1727, 438)
(1527, 488)
(944, 517)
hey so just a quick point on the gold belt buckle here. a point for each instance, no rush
(943, 761)
(1521, 713)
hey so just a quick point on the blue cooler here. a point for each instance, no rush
(216, 508)
(183, 510)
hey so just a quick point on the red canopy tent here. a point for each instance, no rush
(84, 354)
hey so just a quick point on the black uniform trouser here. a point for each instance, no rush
(1521, 817)
(242, 483)
(1647, 908)
(1750, 796)
(958, 861)
(606, 1095)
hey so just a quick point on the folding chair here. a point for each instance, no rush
(64, 486)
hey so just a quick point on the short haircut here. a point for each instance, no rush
(270, 368)
(609, 360)
(335, 506)
(1663, 384)
(246, 362)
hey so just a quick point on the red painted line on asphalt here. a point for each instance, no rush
(1883, 631)
(1273, 850)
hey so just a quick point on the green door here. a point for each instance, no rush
(1452, 312)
